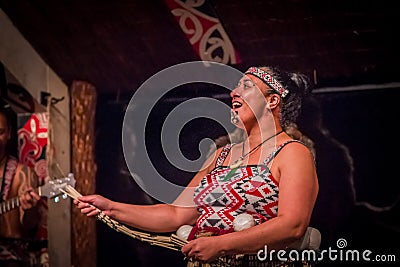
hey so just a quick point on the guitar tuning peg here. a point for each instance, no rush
(64, 196)
(56, 199)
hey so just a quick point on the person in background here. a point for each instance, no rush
(18, 220)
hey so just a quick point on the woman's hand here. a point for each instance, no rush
(204, 249)
(91, 205)
(29, 199)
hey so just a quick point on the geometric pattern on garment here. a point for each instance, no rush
(251, 189)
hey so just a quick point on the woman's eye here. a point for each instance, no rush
(247, 85)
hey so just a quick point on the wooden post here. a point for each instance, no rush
(83, 110)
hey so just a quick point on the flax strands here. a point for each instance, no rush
(172, 242)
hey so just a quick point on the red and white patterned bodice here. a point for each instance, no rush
(252, 189)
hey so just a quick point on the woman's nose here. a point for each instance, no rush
(235, 91)
(232, 93)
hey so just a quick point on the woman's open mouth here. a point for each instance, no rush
(236, 104)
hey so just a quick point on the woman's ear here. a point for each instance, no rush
(273, 101)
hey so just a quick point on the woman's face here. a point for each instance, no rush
(249, 99)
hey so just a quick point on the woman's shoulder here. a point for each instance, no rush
(295, 149)
(294, 143)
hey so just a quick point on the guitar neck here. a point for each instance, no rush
(12, 203)
(50, 189)
(9, 205)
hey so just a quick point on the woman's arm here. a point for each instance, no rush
(298, 187)
(154, 218)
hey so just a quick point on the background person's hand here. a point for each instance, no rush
(29, 199)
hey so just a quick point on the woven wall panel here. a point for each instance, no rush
(83, 111)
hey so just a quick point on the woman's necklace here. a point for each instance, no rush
(240, 160)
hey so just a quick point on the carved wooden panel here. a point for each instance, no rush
(83, 110)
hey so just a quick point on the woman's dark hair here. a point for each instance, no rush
(298, 85)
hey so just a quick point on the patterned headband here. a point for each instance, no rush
(268, 79)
